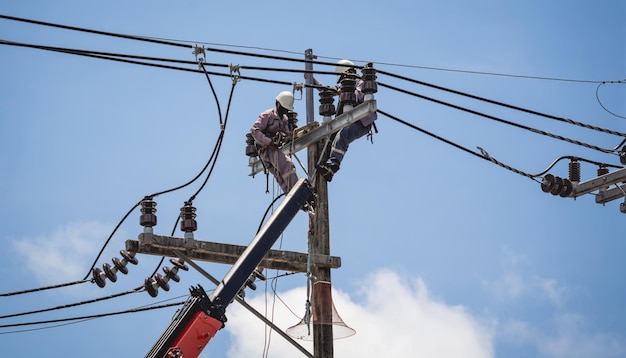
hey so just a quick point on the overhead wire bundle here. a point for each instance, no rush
(200, 65)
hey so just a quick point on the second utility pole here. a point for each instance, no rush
(322, 299)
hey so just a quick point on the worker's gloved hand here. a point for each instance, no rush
(273, 145)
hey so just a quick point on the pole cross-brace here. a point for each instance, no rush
(226, 253)
(325, 129)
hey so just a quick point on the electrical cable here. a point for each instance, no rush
(76, 321)
(529, 111)
(600, 102)
(43, 288)
(134, 310)
(453, 144)
(97, 32)
(135, 290)
(180, 43)
(156, 65)
(109, 239)
(486, 156)
(494, 118)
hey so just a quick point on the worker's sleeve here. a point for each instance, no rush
(257, 130)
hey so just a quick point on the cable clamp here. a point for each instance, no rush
(298, 87)
(235, 72)
(199, 50)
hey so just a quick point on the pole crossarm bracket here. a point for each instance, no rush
(324, 130)
(226, 253)
(600, 183)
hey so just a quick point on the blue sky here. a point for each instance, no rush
(443, 253)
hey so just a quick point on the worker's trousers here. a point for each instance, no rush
(281, 166)
(342, 141)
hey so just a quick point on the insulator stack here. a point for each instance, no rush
(327, 105)
(188, 222)
(348, 86)
(148, 218)
(370, 86)
(110, 272)
(574, 171)
(256, 274)
(292, 120)
(251, 150)
(152, 284)
(556, 185)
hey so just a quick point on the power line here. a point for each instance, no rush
(134, 310)
(529, 111)
(97, 32)
(43, 288)
(484, 155)
(517, 125)
(600, 101)
(135, 290)
(180, 43)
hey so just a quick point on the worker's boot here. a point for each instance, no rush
(327, 171)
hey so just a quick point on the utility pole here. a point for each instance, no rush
(322, 299)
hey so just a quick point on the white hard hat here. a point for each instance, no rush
(285, 98)
(343, 66)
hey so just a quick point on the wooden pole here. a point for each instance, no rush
(322, 299)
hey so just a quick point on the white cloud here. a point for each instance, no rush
(63, 255)
(395, 319)
(515, 286)
(569, 337)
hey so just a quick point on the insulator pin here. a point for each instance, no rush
(348, 86)
(327, 106)
(188, 222)
(574, 171)
(148, 210)
(292, 120)
(369, 79)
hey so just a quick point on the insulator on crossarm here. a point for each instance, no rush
(120, 265)
(151, 286)
(556, 185)
(370, 86)
(129, 257)
(188, 223)
(292, 120)
(327, 105)
(148, 218)
(99, 277)
(574, 171)
(179, 264)
(172, 273)
(110, 272)
(347, 97)
(162, 281)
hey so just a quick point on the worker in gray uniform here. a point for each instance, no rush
(270, 131)
(348, 134)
